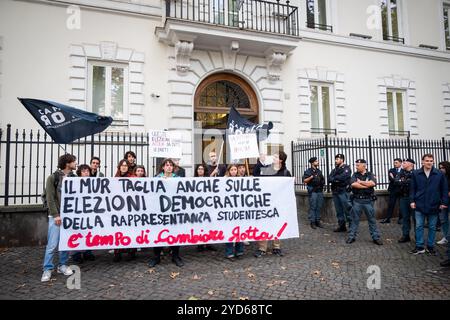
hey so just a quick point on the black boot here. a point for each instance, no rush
(386, 220)
(313, 225)
(177, 260)
(154, 261)
(341, 228)
(404, 239)
(319, 224)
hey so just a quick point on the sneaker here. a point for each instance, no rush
(46, 276)
(259, 253)
(246, 243)
(445, 263)
(65, 270)
(350, 240)
(385, 221)
(417, 251)
(154, 261)
(230, 256)
(239, 254)
(404, 239)
(443, 241)
(177, 260)
(431, 251)
(89, 256)
(277, 252)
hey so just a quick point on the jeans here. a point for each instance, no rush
(391, 206)
(230, 247)
(315, 206)
(443, 217)
(407, 213)
(420, 220)
(52, 245)
(343, 207)
(360, 205)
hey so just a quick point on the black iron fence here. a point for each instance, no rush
(379, 154)
(258, 15)
(28, 157)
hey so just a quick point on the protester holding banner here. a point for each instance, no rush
(233, 250)
(215, 169)
(179, 171)
(124, 171)
(201, 172)
(130, 156)
(166, 172)
(95, 164)
(278, 168)
(139, 171)
(79, 256)
(52, 195)
(242, 170)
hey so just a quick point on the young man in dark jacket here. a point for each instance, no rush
(428, 195)
(393, 190)
(66, 164)
(403, 184)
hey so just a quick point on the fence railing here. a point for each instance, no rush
(379, 154)
(28, 157)
(258, 15)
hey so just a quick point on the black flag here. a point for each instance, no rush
(238, 124)
(63, 123)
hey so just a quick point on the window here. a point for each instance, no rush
(108, 89)
(390, 15)
(446, 25)
(322, 112)
(396, 112)
(317, 12)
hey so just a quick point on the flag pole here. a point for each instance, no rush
(246, 167)
(220, 154)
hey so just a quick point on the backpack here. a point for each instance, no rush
(44, 193)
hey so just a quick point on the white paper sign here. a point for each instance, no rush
(108, 213)
(165, 144)
(243, 146)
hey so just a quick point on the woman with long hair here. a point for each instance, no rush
(444, 166)
(233, 250)
(201, 171)
(166, 171)
(139, 172)
(123, 171)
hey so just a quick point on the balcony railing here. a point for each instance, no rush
(318, 26)
(257, 15)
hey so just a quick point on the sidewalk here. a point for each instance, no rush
(319, 265)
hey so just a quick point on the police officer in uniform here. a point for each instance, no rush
(403, 182)
(363, 195)
(315, 181)
(340, 180)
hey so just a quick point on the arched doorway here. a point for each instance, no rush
(213, 99)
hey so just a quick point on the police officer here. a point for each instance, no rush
(340, 180)
(315, 181)
(363, 195)
(403, 182)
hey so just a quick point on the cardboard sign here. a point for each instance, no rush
(165, 144)
(243, 146)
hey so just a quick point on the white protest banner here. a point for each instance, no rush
(165, 144)
(243, 146)
(108, 213)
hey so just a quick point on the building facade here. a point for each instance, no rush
(349, 68)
